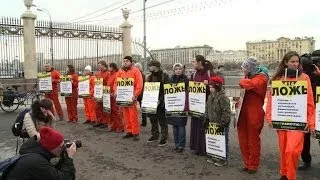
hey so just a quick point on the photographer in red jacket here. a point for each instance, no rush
(35, 164)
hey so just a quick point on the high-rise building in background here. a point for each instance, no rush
(274, 50)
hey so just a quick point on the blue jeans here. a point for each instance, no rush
(179, 133)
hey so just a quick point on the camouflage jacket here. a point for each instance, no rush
(218, 108)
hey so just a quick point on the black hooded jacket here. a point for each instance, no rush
(161, 77)
(36, 165)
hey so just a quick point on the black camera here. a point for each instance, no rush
(68, 143)
(309, 61)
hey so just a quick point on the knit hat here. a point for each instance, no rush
(216, 81)
(177, 65)
(250, 65)
(88, 68)
(129, 58)
(50, 138)
(154, 63)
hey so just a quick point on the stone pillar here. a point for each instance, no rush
(29, 45)
(126, 34)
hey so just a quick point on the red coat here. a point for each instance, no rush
(104, 75)
(253, 101)
(75, 81)
(111, 81)
(55, 76)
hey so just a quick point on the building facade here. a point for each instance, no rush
(268, 50)
(183, 55)
(222, 57)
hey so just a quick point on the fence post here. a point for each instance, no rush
(126, 34)
(29, 45)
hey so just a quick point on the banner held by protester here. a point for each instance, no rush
(125, 91)
(150, 98)
(98, 89)
(175, 99)
(65, 85)
(289, 102)
(45, 82)
(197, 99)
(216, 141)
(84, 87)
(106, 99)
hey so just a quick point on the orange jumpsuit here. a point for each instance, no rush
(89, 104)
(251, 119)
(115, 120)
(102, 117)
(72, 101)
(291, 142)
(54, 95)
(130, 114)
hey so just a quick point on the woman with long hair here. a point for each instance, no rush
(39, 116)
(72, 101)
(204, 70)
(291, 142)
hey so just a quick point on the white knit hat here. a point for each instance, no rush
(88, 68)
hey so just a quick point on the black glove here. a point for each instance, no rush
(206, 123)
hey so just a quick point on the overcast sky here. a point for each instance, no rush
(222, 24)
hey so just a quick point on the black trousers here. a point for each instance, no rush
(144, 115)
(305, 155)
(157, 120)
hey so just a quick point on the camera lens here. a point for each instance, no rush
(78, 143)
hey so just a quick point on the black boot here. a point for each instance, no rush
(283, 178)
(304, 167)
(128, 135)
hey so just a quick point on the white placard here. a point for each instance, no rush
(98, 89)
(106, 99)
(216, 141)
(175, 99)
(84, 87)
(150, 98)
(197, 99)
(289, 105)
(45, 82)
(65, 85)
(318, 113)
(125, 87)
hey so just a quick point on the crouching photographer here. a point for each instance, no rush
(310, 64)
(35, 156)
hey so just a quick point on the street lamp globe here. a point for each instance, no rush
(28, 3)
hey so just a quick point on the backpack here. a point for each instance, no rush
(9, 163)
(18, 125)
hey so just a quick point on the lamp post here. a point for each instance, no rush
(51, 30)
(144, 33)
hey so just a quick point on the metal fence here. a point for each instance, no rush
(11, 48)
(59, 44)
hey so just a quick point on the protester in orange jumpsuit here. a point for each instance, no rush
(72, 101)
(130, 114)
(54, 95)
(115, 120)
(251, 119)
(103, 118)
(291, 142)
(89, 104)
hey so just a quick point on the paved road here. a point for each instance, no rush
(107, 156)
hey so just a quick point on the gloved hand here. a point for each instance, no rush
(206, 123)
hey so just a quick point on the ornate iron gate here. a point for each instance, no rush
(60, 44)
